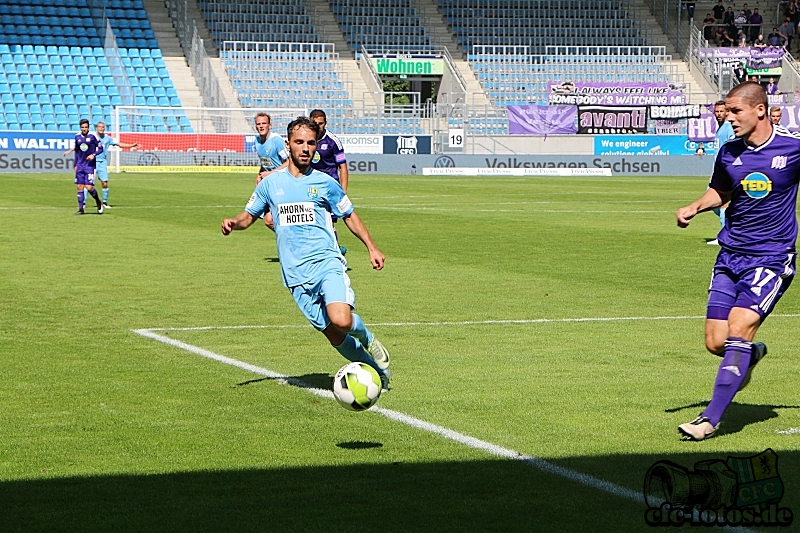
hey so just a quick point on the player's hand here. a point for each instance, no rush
(684, 215)
(90, 157)
(261, 176)
(269, 221)
(227, 226)
(377, 259)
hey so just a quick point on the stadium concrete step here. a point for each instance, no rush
(436, 26)
(326, 26)
(174, 59)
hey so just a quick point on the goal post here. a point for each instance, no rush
(171, 138)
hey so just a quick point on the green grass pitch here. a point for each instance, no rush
(102, 429)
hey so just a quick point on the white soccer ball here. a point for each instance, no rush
(357, 386)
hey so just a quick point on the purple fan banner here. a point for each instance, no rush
(756, 58)
(621, 94)
(542, 120)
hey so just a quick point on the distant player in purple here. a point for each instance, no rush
(758, 173)
(330, 157)
(87, 147)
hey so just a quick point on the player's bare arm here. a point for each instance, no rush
(357, 227)
(344, 176)
(242, 221)
(711, 199)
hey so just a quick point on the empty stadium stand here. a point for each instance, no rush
(51, 79)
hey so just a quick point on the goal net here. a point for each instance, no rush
(191, 138)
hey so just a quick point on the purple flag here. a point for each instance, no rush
(542, 120)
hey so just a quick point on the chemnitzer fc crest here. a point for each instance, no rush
(739, 491)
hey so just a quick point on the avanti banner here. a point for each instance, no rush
(542, 120)
(594, 120)
(616, 94)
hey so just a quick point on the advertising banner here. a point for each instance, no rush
(188, 142)
(408, 66)
(29, 140)
(542, 120)
(362, 144)
(593, 120)
(616, 94)
(645, 145)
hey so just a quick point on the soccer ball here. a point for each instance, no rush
(357, 386)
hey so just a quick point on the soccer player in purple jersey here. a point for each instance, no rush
(758, 173)
(87, 147)
(330, 157)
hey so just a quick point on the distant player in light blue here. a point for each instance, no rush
(723, 135)
(270, 147)
(302, 202)
(102, 161)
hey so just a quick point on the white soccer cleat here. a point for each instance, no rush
(698, 429)
(378, 353)
(715, 242)
(100, 209)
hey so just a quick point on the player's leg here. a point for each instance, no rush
(93, 193)
(358, 343)
(757, 291)
(80, 180)
(101, 175)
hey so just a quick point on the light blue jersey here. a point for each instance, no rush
(724, 134)
(102, 161)
(302, 208)
(272, 152)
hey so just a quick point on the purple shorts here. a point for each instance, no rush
(752, 282)
(84, 176)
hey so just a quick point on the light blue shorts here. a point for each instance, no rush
(312, 298)
(101, 172)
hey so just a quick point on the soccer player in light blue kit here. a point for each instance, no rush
(86, 148)
(102, 162)
(758, 172)
(723, 135)
(270, 147)
(302, 202)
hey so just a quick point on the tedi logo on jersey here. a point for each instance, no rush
(757, 185)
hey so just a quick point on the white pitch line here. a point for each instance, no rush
(467, 322)
(461, 438)
(455, 436)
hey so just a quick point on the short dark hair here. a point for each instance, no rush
(318, 113)
(302, 122)
(83, 121)
(719, 102)
(751, 92)
(263, 114)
